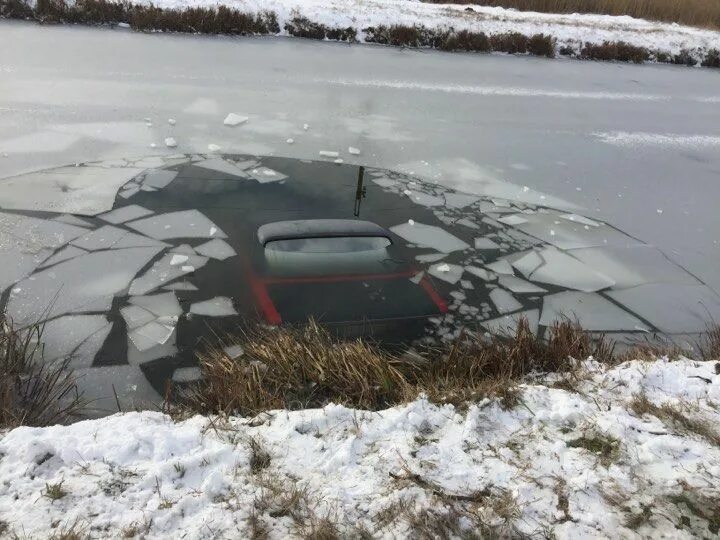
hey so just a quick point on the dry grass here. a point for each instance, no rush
(305, 28)
(301, 367)
(607, 448)
(33, 393)
(616, 50)
(683, 418)
(703, 13)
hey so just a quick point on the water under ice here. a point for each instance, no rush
(429, 236)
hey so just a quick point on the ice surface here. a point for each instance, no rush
(563, 270)
(500, 266)
(233, 119)
(506, 325)
(177, 259)
(181, 224)
(136, 357)
(162, 272)
(84, 283)
(591, 310)
(234, 351)
(180, 286)
(186, 374)
(633, 265)
(512, 219)
(265, 175)
(459, 200)
(465, 284)
(329, 153)
(129, 192)
(72, 220)
(161, 305)
(354, 151)
(183, 249)
(170, 142)
(136, 316)
(467, 223)
(580, 219)
(485, 243)
(76, 190)
(447, 272)
(671, 307)
(528, 263)
(385, 182)
(429, 236)
(565, 234)
(481, 273)
(99, 385)
(125, 213)
(504, 301)
(222, 166)
(430, 257)
(102, 238)
(150, 335)
(425, 199)
(76, 336)
(158, 179)
(216, 249)
(214, 148)
(517, 285)
(220, 306)
(64, 254)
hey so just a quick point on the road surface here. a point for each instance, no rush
(636, 146)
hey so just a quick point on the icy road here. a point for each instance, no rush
(635, 146)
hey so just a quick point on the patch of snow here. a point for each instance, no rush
(170, 142)
(233, 119)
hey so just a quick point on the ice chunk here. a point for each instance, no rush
(220, 306)
(354, 151)
(563, 270)
(580, 219)
(129, 192)
(233, 119)
(234, 351)
(265, 175)
(592, 312)
(506, 325)
(528, 263)
(481, 273)
(329, 153)
(170, 142)
(84, 283)
(213, 147)
(75, 190)
(64, 254)
(178, 259)
(78, 337)
(171, 121)
(163, 272)
(181, 286)
(447, 272)
(501, 266)
(100, 386)
(161, 305)
(671, 307)
(459, 200)
(216, 249)
(429, 236)
(187, 374)
(517, 285)
(512, 219)
(223, 166)
(467, 223)
(465, 284)
(101, 238)
(137, 357)
(485, 243)
(425, 199)
(136, 316)
(290, 141)
(181, 224)
(72, 220)
(430, 257)
(125, 213)
(158, 179)
(385, 182)
(504, 301)
(150, 335)
(634, 265)
(183, 249)
(567, 234)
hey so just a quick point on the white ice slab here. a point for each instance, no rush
(234, 351)
(102, 238)
(430, 257)
(187, 374)
(592, 311)
(99, 385)
(158, 179)
(216, 249)
(84, 283)
(136, 357)
(481, 273)
(501, 266)
(78, 337)
(506, 325)
(459, 200)
(425, 199)
(485, 243)
(673, 308)
(563, 270)
(125, 213)
(183, 249)
(72, 220)
(265, 175)
(234, 119)
(182, 224)
(517, 285)
(136, 316)
(180, 286)
(220, 306)
(161, 305)
(76, 190)
(512, 219)
(429, 236)
(581, 219)
(447, 272)
(566, 234)
(222, 166)
(162, 272)
(63, 255)
(150, 335)
(504, 301)
(528, 263)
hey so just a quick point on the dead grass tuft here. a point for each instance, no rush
(32, 392)
(699, 505)
(683, 418)
(710, 344)
(305, 28)
(259, 456)
(74, 531)
(615, 50)
(607, 448)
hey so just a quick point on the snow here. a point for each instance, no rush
(192, 478)
(234, 119)
(170, 142)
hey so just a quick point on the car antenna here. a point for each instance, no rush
(360, 192)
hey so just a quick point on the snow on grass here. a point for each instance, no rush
(577, 458)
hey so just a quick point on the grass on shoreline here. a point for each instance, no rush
(701, 13)
(230, 21)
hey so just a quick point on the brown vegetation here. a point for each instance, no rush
(703, 13)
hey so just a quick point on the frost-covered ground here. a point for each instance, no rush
(573, 459)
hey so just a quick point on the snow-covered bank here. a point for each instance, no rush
(576, 459)
(359, 19)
